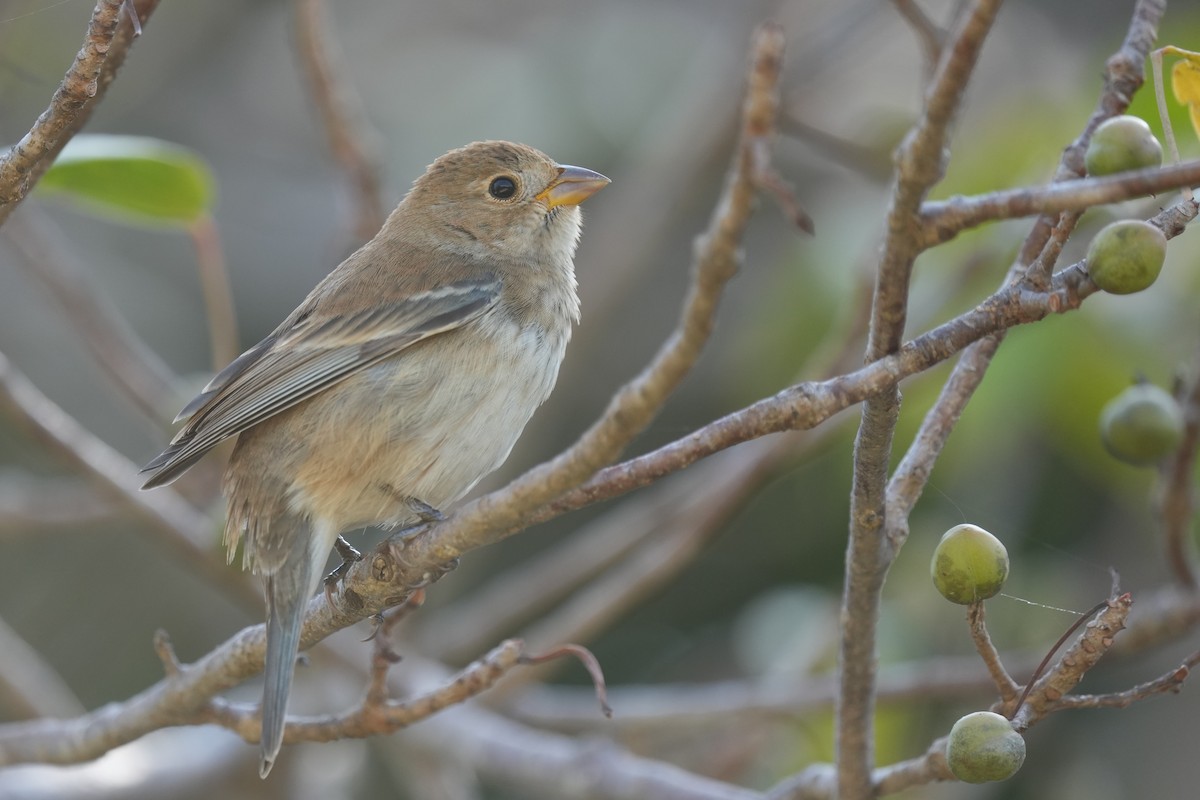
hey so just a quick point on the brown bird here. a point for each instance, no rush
(401, 380)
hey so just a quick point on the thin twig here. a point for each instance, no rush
(341, 111)
(135, 369)
(1168, 682)
(873, 163)
(1163, 114)
(218, 298)
(1176, 502)
(913, 471)
(1005, 685)
(928, 33)
(945, 219)
(376, 715)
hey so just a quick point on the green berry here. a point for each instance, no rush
(1120, 144)
(1142, 425)
(984, 747)
(1126, 256)
(968, 564)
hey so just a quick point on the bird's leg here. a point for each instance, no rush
(349, 557)
(425, 512)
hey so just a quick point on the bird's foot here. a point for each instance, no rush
(350, 556)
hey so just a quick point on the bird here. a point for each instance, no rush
(402, 379)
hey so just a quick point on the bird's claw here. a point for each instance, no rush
(350, 556)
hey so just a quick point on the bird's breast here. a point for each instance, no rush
(426, 424)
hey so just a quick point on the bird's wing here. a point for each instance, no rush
(315, 353)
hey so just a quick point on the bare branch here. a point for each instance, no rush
(189, 534)
(675, 544)
(104, 48)
(911, 475)
(919, 165)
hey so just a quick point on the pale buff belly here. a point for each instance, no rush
(424, 426)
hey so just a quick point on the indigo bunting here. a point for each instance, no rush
(403, 378)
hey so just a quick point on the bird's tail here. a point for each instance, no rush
(288, 590)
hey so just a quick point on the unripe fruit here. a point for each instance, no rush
(1142, 425)
(1126, 256)
(984, 747)
(1120, 144)
(968, 564)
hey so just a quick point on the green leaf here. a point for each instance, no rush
(133, 179)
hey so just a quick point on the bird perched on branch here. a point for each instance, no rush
(401, 380)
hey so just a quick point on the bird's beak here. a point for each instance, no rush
(572, 186)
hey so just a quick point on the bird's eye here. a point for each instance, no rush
(502, 188)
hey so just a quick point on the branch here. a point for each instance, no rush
(104, 49)
(29, 686)
(188, 533)
(546, 764)
(376, 715)
(946, 219)
(41, 503)
(340, 109)
(674, 545)
(718, 705)
(1175, 504)
(1168, 682)
(1096, 640)
(135, 369)
(912, 473)
(1005, 685)
(928, 33)
(1037, 257)
(919, 165)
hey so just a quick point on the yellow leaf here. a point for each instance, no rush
(1185, 82)
(1185, 79)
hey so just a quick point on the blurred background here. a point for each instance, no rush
(647, 93)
